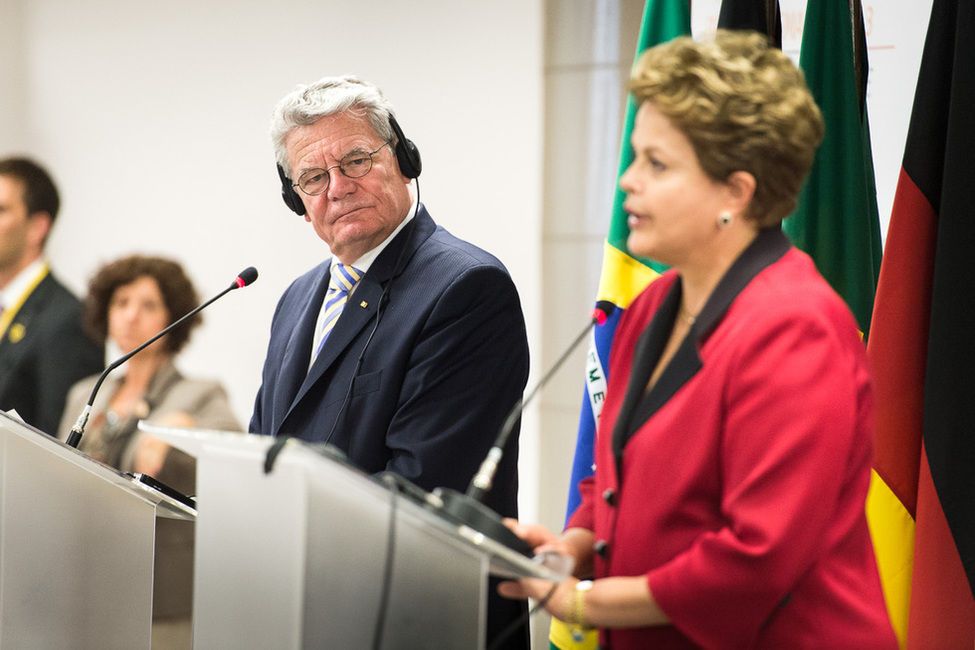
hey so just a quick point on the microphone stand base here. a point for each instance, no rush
(477, 516)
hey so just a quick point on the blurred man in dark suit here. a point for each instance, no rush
(43, 349)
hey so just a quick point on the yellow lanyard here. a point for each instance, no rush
(10, 312)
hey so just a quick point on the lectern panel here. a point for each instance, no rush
(76, 549)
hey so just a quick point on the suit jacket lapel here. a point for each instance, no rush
(363, 303)
(35, 301)
(15, 341)
(294, 364)
(353, 318)
(639, 405)
(770, 245)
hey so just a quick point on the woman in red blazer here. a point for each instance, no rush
(733, 451)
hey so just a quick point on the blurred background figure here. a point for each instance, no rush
(43, 348)
(129, 301)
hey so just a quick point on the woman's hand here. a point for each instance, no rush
(150, 456)
(540, 538)
(151, 452)
(539, 590)
(609, 602)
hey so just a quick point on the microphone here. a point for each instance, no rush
(469, 508)
(246, 277)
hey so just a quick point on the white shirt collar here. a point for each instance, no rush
(15, 290)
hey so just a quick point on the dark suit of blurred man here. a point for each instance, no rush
(43, 349)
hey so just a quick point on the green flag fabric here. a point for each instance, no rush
(837, 221)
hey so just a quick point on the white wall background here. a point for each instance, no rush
(153, 119)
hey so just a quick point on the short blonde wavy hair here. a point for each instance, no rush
(743, 105)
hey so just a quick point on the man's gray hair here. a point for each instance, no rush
(305, 105)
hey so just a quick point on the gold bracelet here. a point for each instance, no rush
(576, 615)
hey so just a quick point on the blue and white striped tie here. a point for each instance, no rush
(339, 285)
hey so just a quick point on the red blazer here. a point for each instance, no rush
(737, 484)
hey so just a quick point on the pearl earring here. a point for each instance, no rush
(725, 219)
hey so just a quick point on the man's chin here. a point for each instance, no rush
(349, 244)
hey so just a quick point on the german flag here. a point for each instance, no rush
(921, 507)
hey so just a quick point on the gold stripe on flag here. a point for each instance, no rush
(892, 530)
(622, 277)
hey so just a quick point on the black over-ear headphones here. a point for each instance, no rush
(407, 156)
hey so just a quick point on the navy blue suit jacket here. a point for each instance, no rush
(440, 372)
(445, 365)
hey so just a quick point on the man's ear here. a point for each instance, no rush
(39, 227)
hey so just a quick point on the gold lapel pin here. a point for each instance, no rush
(17, 332)
(363, 304)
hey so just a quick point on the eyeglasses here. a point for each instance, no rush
(355, 165)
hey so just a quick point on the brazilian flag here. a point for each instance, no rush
(622, 278)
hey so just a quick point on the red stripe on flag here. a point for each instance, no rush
(942, 610)
(898, 347)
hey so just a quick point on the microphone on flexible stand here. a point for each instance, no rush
(246, 277)
(469, 508)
